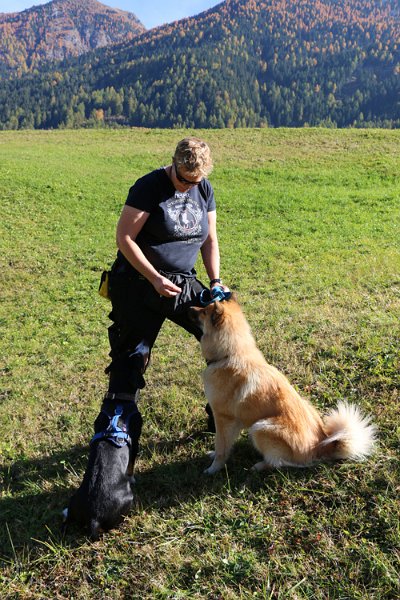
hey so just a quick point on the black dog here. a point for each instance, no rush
(105, 495)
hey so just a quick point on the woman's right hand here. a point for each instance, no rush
(130, 224)
(165, 287)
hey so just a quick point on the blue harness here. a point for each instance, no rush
(114, 433)
(217, 293)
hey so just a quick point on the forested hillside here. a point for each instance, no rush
(243, 63)
(60, 29)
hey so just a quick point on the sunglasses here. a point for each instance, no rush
(185, 181)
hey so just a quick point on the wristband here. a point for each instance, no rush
(217, 280)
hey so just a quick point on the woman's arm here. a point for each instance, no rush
(129, 226)
(210, 249)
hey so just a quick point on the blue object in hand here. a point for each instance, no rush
(216, 293)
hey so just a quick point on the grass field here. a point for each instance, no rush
(309, 227)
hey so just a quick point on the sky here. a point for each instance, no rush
(150, 12)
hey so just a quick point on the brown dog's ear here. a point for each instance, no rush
(217, 315)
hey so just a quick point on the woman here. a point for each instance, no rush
(169, 216)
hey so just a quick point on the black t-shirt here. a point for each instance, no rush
(178, 223)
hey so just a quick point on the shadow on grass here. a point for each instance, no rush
(31, 515)
(35, 492)
(175, 482)
(34, 496)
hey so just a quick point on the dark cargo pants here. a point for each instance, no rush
(138, 313)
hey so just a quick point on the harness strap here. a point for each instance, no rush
(118, 439)
(114, 434)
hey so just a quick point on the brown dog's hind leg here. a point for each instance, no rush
(268, 438)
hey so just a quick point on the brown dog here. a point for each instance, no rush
(245, 392)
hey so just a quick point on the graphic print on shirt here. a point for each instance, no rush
(186, 216)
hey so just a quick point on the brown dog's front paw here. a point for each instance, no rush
(260, 466)
(214, 468)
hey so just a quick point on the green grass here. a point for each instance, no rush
(309, 227)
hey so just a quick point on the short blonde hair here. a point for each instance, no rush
(194, 156)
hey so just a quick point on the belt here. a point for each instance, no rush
(120, 396)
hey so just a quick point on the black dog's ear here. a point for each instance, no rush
(101, 422)
(217, 315)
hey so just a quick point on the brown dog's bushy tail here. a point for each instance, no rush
(350, 434)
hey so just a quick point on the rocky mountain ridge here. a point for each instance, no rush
(58, 30)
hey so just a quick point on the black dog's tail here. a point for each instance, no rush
(95, 530)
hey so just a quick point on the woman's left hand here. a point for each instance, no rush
(221, 286)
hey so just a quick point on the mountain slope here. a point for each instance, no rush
(60, 29)
(242, 63)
